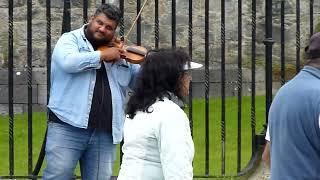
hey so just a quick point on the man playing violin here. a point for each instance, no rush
(88, 88)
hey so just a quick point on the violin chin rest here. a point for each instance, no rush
(136, 50)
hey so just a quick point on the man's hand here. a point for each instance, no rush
(111, 54)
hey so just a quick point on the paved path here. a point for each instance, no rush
(262, 173)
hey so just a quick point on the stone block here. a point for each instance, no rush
(20, 77)
(40, 76)
(231, 75)
(21, 108)
(17, 109)
(231, 89)
(20, 94)
(16, 3)
(59, 3)
(42, 94)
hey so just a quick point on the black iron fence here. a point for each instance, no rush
(205, 83)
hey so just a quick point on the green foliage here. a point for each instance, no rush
(317, 27)
(215, 129)
(290, 71)
(20, 133)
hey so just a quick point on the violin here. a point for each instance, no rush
(133, 53)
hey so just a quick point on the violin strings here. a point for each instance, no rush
(135, 21)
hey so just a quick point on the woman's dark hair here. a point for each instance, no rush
(111, 11)
(160, 74)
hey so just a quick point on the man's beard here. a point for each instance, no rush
(95, 42)
(100, 42)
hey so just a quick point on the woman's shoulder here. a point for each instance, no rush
(166, 107)
(166, 103)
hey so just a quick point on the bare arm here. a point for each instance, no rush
(266, 154)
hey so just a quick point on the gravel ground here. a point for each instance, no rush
(262, 173)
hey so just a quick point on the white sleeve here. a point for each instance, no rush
(176, 147)
(267, 134)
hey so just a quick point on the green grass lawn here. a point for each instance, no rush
(39, 126)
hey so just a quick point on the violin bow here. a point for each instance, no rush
(135, 21)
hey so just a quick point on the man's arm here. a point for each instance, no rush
(266, 151)
(68, 56)
(266, 154)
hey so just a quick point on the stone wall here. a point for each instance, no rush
(39, 34)
(39, 29)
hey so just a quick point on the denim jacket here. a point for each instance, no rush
(73, 75)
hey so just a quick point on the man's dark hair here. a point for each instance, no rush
(112, 12)
(160, 73)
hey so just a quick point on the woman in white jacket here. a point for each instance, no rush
(157, 140)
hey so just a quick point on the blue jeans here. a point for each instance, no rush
(66, 145)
